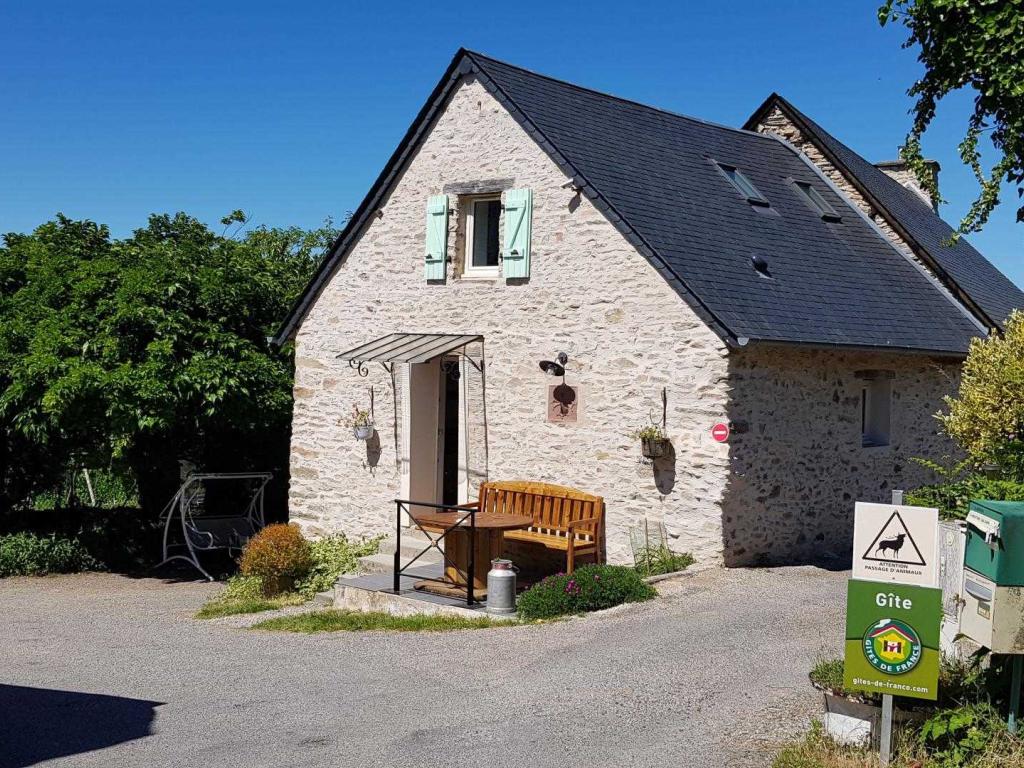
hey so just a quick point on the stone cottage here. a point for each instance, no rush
(767, 279)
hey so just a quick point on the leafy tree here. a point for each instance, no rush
(140, 352)
(976, 44)
(986, 418)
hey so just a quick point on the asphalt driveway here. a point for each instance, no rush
(104, 670)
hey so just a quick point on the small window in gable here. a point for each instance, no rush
(743, 185)
(817, 202)
(482, 244)
(875, 408)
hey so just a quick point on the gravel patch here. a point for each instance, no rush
(105, 670)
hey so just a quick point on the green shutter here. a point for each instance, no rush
(437, 237)
(518, 226)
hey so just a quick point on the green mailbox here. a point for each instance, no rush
(995, 541)
(993, 591)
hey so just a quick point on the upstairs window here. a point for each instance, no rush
(743, 185)
(483, 216)
(817, 202)
(875, 408)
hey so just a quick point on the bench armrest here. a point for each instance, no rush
(584, 521)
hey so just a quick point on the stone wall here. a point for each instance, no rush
(797, 472)
(626, 331)
(901, 173)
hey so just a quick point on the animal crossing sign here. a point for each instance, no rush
(896, 543)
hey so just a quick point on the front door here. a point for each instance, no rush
(448, 433)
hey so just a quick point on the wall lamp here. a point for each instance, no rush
(555, 367)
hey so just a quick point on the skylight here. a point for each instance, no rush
(819, 203)
(743, 185)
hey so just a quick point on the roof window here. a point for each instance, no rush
(743, 185)
(818, 203)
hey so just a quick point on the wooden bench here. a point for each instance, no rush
(564, 519)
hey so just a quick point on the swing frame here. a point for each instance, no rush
(195, 539)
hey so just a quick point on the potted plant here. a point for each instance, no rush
(361, 423)
(653, 441)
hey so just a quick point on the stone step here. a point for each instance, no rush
(385, 563)
(324, 599)
(413, 542)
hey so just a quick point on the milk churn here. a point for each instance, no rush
(501, 587)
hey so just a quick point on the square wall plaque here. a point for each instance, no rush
(563, 403)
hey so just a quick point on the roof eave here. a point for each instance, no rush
(752, 343)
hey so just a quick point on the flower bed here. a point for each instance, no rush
(589, 588)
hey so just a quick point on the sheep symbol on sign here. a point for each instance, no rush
(895, 544)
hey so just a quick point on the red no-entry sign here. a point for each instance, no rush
(720, 432)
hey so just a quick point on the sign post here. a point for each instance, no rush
(885, 737)
(894, 607)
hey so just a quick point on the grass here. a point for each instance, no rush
(827, 674)
(657, 561)
(355, 621)
(817, 750)
(244, 594)
(215, 609)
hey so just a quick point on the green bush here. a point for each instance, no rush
(333, 556)
(590, 588)
(656, 561)
(279, 555)
(26, 554)
(953, 498)
(954, 737)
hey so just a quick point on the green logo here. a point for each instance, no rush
(892, 646)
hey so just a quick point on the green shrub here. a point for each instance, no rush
(333, 556)
(656, 561)
(954, 737)
(279, 556)
(953, 498)
(590, 588)
(26, 554)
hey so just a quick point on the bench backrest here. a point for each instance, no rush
(553, 507)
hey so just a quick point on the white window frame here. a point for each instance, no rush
(470, 272)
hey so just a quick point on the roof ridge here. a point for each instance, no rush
(614, 97)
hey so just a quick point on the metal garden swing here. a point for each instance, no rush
(193, 524)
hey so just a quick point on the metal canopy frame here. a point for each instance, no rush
(408, 348)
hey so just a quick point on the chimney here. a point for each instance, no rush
(898, 170)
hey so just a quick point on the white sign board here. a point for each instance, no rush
(896, 543)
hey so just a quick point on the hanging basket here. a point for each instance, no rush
(363, 431)
(654, 447)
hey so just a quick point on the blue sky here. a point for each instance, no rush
(112, 111)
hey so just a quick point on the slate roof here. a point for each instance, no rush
(960, 265)
(653, 174)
